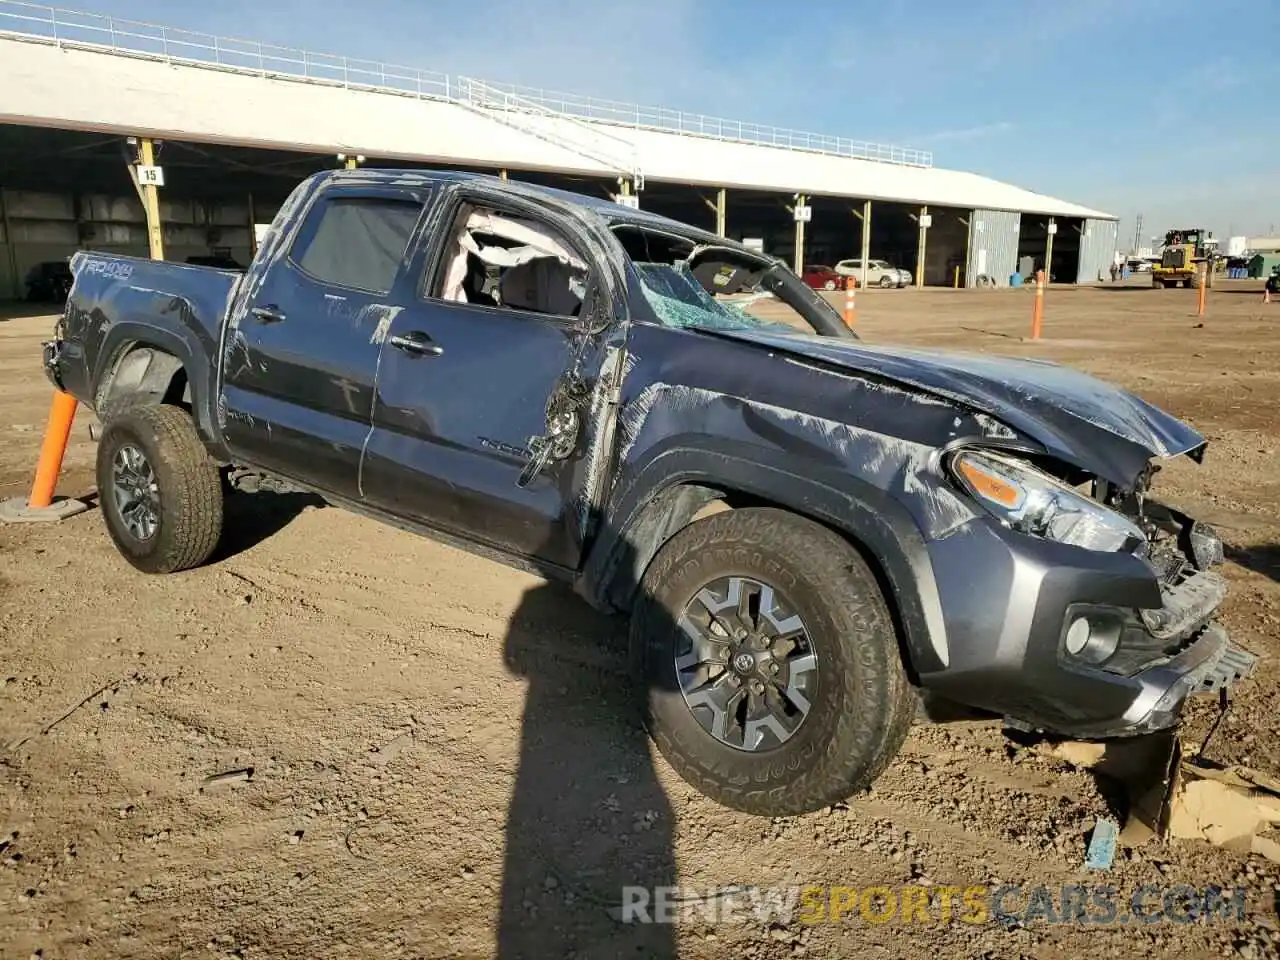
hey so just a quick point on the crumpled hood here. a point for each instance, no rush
(1076, 417)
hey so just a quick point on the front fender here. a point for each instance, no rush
(654, 499)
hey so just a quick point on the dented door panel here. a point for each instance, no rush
(452, 431)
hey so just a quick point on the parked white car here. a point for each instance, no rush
(879, 273)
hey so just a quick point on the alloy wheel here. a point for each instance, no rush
(136, 493)
(746, 663)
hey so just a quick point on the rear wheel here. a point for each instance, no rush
(774, 681)
(829, 285)
(161, 493)
(886, 282)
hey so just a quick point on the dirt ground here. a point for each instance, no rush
(444, 754)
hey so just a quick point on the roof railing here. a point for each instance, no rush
(21, 20)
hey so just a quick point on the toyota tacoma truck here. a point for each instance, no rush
(805, 530)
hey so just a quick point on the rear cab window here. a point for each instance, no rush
(357, 242)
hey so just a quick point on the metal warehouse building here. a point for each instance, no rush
(235, 124)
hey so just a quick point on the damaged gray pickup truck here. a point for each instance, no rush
(805, 530)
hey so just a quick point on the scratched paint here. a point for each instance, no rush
(901, 467)
(382, 316)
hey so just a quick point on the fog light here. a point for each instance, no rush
(1078, 636)
(1093, 639)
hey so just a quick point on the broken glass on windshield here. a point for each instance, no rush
(680, 300)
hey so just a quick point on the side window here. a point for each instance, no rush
(501, 260)
(356, 242)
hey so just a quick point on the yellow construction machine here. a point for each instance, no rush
(1186, 253)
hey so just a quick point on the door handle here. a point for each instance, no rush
(267, 313)
(417, 342)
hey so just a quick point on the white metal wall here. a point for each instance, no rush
(993, 246)
(1098, 241)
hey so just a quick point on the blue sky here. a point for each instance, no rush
(1158, 106)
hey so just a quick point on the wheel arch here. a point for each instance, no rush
(145, 371)
(683, 485)
(154, 366)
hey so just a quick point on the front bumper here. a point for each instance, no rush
(1006, 600)
(1210, 663)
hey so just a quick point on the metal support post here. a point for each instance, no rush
(151, 201)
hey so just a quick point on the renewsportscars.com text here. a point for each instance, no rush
(1096, 904)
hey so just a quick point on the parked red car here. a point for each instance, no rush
(822, 278)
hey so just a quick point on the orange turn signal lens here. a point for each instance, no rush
(994, 488)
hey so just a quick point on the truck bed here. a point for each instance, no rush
(119, 300)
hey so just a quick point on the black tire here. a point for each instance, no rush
(829, 285)
(187, 482)
(862, 705)
(886, 282)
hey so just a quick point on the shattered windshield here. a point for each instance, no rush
(681, 301)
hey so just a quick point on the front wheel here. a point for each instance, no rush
(161, 493)
(829, 285)
(886, 282)
(774, 683)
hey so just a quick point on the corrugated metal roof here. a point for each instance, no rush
(116, 93)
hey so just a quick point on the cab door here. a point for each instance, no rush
(483, 417)
(300, 363)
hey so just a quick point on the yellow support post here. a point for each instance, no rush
(253, 228)
(799, 251)
(924, 230)
(12, 246)
(866, 241)
(1048, 251)
(719, 209)
(151, 201)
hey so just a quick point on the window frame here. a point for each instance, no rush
(309, 224)
(427, 285)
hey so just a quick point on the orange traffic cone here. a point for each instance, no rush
(41, 506)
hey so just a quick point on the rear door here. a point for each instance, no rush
(477, 363)
(299, 367)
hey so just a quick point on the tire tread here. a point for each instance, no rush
(861, 742)
(191, 486)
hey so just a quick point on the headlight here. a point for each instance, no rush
(1033, 502)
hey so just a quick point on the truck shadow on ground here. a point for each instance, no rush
(250, 518)
(1264, 559)
(588, 816)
